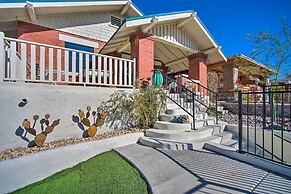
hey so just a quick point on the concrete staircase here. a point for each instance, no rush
(176, 136)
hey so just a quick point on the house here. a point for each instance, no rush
(240, 70)
(114, 28)
(53, 53)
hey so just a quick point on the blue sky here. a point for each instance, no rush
(227, 20)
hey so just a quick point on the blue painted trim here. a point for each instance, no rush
(160, 14)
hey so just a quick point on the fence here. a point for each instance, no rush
(267, 131)
(34, 62)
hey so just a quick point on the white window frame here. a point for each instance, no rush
(79, 41)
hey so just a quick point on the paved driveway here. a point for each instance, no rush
(201, 171)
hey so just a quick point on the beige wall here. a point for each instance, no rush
(59, 101)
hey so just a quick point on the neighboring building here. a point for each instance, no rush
(239, 70)
(283, 81)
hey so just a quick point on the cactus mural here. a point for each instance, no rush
(40, 138)
(98, 116)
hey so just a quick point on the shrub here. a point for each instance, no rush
(140, 108)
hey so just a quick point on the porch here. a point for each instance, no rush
(167, 42)
(31, 62)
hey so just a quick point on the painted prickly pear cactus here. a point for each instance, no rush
(98, 116)
(39, 138)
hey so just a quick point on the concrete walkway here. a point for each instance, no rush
(187, 171)
(22, 171)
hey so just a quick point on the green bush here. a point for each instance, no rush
(140, 108)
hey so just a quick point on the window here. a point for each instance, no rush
(115, 21)
(80, 48)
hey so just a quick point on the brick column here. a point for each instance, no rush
(198, 68)
(142, 48)
(230, 76)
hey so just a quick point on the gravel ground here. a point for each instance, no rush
(233, 119)
(21, 151)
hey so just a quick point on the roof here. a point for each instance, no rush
(286, 80)
(219, 65)
(22, 10)
(186, 20)
(252, 61)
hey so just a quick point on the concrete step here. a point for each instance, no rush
(226, 136)
(191, 144)
(180, 111)
(231, 143)
(218, 128)
(163, 125)
(198, 116)
(179, 135)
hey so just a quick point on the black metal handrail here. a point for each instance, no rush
(210, 93)
(181, 96)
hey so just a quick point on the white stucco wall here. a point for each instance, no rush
(92, 25)
(59, 101)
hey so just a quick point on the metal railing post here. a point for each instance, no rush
(2, 56)
(240, 138)
(216, 96)
(264, 118)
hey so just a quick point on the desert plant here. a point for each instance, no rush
(140, 108)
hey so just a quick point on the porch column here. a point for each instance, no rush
(198, 68)
(142, 48)
(230, 76)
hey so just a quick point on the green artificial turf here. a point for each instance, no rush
(104, 173)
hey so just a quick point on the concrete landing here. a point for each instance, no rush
(200, 171)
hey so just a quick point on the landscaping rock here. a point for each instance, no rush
(21, 151)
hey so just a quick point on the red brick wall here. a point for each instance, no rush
(142, 48)
(40, 34)
(198, 68)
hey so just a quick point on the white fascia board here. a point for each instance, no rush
(205, 32)
(144, 21)
(220, 52)
(210, 38)
(79, 41)
(136, 10)
(12, 5)
(62, 4)
(77, 4)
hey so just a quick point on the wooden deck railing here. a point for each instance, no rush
(27, 61)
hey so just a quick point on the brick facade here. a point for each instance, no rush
(198, 68)
(40, 34)
(142, 48)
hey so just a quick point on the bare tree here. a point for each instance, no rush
(274, 50)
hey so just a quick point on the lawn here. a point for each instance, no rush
(104, 173)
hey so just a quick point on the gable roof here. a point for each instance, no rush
(18, 11)
(185, 20)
